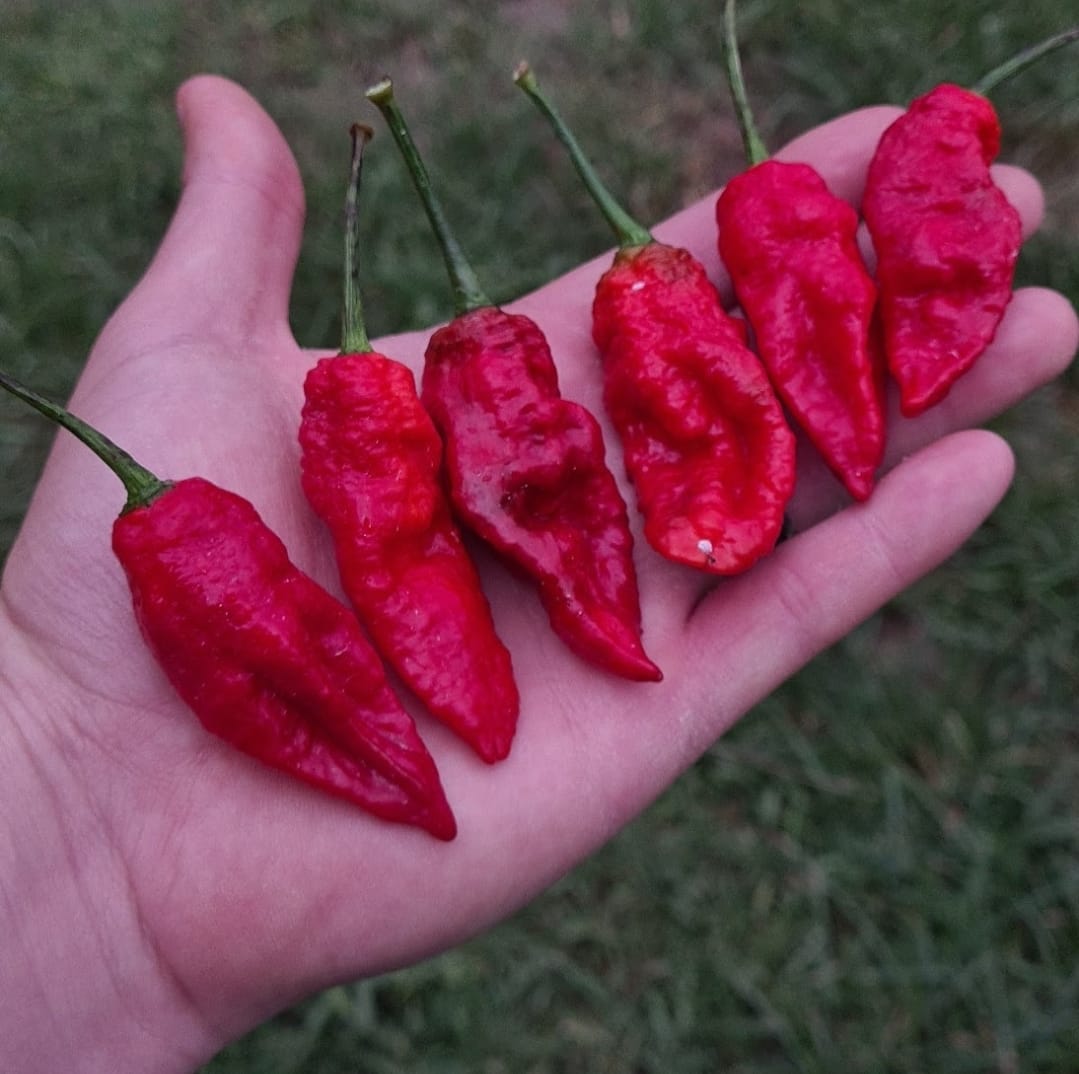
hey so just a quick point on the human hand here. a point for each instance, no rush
(162, 894)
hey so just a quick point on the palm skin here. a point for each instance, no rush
(160, 894)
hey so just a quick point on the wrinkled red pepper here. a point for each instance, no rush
(790, 248)
(265, 658)
(704, 438)
(526, 467)
(946, 239)
(528, 475)
(371, 468)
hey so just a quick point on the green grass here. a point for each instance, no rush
(878, 869)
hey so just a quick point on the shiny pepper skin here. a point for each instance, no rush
(704, 437)
(946, 239)
(790, 248)
(267, 659)
(371, 468)
(527, 473)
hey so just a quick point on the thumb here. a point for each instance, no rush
(224, 269)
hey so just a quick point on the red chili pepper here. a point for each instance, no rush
(704, 438)
(946, 238)
(790, 247)
(265, 658)
(526, 467)
(371, 468)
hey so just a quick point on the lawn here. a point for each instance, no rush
(879, 868)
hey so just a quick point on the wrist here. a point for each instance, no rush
(84, 989)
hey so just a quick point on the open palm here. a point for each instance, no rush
(167, 893)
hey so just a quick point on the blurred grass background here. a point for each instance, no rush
(878, 869)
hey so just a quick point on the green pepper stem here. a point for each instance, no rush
(142, 486)
(353, 331)
(755, 149)
(1022, 60)
(628, 232)
(467, 293)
